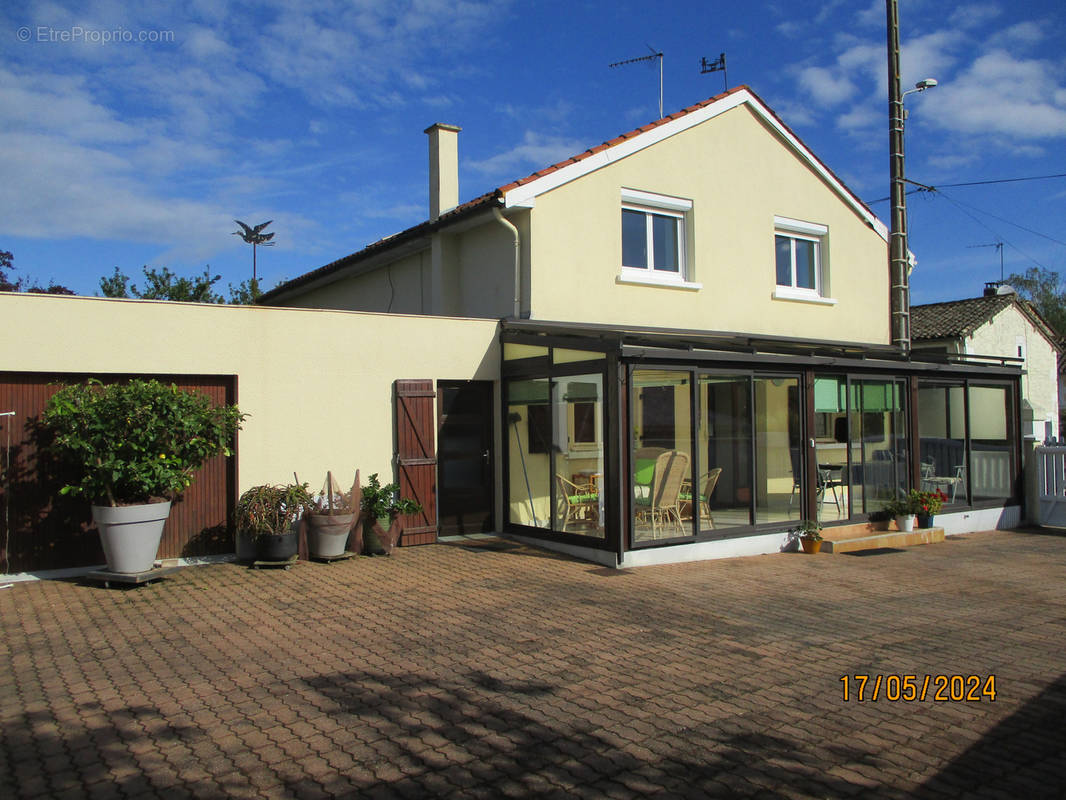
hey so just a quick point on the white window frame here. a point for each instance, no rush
(651, 204)
(796, 229)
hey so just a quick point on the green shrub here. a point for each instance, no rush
(135, 442)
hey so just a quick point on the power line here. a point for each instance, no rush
(974, 183)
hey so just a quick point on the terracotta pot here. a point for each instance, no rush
(810, 545)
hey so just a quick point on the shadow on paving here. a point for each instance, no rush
(1024, 755)
(493, 737)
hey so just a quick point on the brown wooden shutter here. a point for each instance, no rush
(416, 457)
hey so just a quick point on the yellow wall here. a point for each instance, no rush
(738, 175)
(316, 384)
(401, 288)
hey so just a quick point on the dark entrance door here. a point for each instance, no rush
(464, 457)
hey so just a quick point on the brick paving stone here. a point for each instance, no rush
(518, 673)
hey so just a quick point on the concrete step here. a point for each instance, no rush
(850, 540)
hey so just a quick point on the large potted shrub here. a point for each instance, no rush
(330, 520)
(268, 519)
(130, 449)
(382, 504)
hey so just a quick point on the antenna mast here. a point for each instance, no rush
(718, 65)
(654, 54)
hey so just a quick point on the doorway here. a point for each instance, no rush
(465, 473)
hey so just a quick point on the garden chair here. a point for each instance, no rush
(576, 503)
(662, 506)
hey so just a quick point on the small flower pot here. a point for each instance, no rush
(925, 520)
(810, 545)
(905, 523)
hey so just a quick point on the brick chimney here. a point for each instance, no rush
(443, 168)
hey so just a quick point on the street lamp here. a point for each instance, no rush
(899, 262)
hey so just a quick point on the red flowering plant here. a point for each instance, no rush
(928, 502)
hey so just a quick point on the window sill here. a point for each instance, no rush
(663, 283)
(802, 296)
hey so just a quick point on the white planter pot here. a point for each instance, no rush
(905, 523)
(131, 534)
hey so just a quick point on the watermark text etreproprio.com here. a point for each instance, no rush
(78, 33)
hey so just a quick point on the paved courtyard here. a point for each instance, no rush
(491, 669)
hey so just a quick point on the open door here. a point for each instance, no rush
(465, 473)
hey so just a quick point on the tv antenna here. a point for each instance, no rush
(999, 247)
(718, 65)
(653, 54)
(255, 237)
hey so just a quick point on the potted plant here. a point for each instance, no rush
(330, 520)
(902, 508)
(810, 535)
(267, 521)
(131, 448)
(382, 504)
(880, 519)
(928, 504)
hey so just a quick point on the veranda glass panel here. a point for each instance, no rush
(529, 437)
(878, 444)
(662, 458)
(513, 351)
(724, 487)
(992, 446)
(777, 448)
(562, 356)
(577, 423)
(831, 447)
(942, 438)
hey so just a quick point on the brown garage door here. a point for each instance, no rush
(42, 530)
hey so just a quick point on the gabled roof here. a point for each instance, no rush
(523, 192)
(957, 319)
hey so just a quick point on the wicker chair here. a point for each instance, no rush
(662, 507)
(576, 503)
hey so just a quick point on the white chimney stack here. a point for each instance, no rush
(443, 168)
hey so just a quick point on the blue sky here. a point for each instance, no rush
(134, 134)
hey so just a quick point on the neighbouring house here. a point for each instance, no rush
(696, 353)
(1000, 323)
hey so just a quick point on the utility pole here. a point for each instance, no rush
(899, 265)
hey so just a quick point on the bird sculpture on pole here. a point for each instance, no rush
(255, 237)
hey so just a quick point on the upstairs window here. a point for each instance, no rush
(800, 262)
(654, 236)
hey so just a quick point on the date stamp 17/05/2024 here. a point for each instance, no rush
(919, 688)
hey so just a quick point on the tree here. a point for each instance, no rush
(7, 261)
(1044, 289)
(166, 285)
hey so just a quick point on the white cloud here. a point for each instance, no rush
(825, 86)
(1027, 32)
(1002, 95)
(535, 152)
(973, 15)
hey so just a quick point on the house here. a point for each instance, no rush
(696, 353)
(1003, 324)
